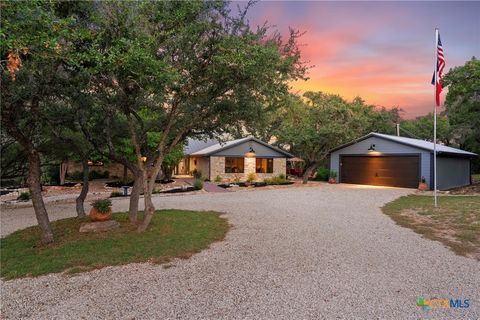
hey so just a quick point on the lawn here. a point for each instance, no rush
(171, 234)
(455, 222)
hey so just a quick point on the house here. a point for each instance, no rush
(232, 160)
(385, 160)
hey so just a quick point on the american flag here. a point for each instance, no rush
(438, 73)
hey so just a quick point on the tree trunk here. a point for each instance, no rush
(311, 167)
(135, 197)
(35, 188)
(83, 194)
(63, 172)
(149, 183)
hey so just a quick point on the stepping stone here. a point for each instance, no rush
(99, 226)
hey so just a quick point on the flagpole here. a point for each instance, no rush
(435, 122)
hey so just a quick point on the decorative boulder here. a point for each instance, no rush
(99, 226)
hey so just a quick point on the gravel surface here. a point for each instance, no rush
(323, 252)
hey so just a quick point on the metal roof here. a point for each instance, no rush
(421, 144)
(194, 145)
(213, 146)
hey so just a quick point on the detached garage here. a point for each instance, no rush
(385, 160)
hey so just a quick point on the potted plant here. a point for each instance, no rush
(332, 177)
(101, 210)
(422, 185)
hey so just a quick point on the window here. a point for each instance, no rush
(264, 165)
(234, 165)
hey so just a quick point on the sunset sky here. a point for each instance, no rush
(381, 51)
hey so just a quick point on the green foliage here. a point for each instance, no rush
(93, 174)
(322, 174)
(198, 184)
(75, 176)
(278, 180)
(332, 174)
(422, 128)
(218, 179)
(463, 105)
(172, 234)
(251, 177)
(115, 194)
(314, 125)
(102, 205)
(24, 196)
(197, 174)
(172, 159)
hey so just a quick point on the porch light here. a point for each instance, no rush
(372, 148)
(144, 159)
(250, 153)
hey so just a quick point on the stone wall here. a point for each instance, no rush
(115, 169)
(218, 169)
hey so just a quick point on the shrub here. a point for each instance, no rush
(197, 174)
(251, 177)
(24, 196)
(102, 205)
(116, 194)
(218, 179)
(282, 176)
(322, 174)
(155, 191)
(198, 184)
(278, 180)
(236, 179)
(75, 176)
(92, 175)
(333, 174)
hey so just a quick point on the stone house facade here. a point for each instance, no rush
(234, 160)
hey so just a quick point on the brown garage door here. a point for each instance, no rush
(394, 171)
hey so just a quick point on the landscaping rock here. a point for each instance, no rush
(99, 226)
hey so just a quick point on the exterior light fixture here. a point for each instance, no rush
(372, 148)
(144, 159)
(250, 153)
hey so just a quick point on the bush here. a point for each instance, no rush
(198, 184)
(322, 174)
(278, 180)
(75, 176)
(251, 177)
(24, 196)
(155, 191)
(92, 175)
(218, 179)
(116, 194)
(102, 205)
(197, 174)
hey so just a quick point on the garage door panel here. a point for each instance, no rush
(396, 171)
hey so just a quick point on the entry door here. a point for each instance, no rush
(393, 171)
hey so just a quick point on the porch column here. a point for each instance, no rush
(250, 163)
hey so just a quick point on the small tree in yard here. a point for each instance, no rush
(168, 70)
(33, 53)
(314, 125)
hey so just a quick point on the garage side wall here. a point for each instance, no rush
(452, 172)
(385, 147)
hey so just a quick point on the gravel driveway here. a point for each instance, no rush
(323, 252)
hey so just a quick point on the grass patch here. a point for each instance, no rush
(171, 234)
(455, 222)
